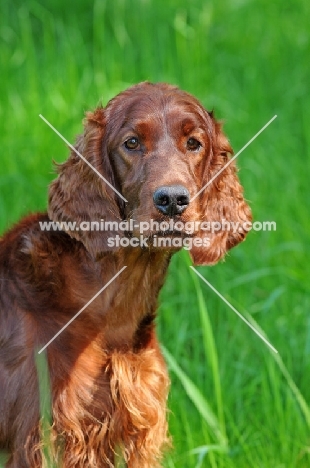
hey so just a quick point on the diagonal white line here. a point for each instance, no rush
(82, 157)
(232, 159)
(83, 308)
(235, 310)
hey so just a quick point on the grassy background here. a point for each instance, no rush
(234, 404)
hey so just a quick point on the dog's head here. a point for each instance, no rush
(168, 157)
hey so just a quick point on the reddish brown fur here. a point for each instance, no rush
(108, 379)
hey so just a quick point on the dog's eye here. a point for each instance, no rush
(193, 144)
(132, 143)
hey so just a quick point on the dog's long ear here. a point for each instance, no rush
(80, 196)
(222, 203)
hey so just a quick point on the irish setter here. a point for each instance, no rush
(158, 147)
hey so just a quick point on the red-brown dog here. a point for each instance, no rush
(158, 147)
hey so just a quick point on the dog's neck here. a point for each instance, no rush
(133, 296)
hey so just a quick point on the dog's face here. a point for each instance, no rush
(159, 147)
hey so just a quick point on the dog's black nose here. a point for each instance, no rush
(171, 200)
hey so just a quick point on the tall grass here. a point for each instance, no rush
(233, 403)
(46, 421)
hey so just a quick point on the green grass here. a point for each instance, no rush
(234, 403)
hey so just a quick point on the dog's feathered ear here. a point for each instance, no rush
(224, 210)
(80, 196)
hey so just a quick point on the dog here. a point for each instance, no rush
(140, 161)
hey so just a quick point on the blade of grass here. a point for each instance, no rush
(205, 450)
(198, 400)
(210, 350)
(289, 380)
(45, 409)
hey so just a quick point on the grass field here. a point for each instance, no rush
(234, 403)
